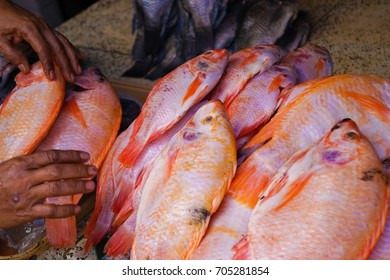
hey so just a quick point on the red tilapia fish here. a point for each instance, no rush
(166, 104)
(256, 102)
(171, 97)
(185, 186)
(29, 111)
(242, 66)
(363, 98)
(89, 121)
(119, 194)
(329, 201)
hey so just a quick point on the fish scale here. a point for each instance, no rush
(29, 111)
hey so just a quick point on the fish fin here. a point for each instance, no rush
(134, 147)
(295, 188)
(74, 109)
(242, 249)
(276, 84)
(124, 213)
(121, 241)
(124, 187)
(194, 86)
(253, 127)
(248, 185)
(371, 104)
(320, 66)
(61, 233)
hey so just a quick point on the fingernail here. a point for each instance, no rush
(52, 75)
(22, 68)
(90, 186)
(71, 76)
(84, 156)
(77, 209)
(92, 170)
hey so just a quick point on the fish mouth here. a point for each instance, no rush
(77, 88)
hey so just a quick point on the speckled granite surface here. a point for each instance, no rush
(356, 32)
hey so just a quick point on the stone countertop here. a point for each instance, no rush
(356, 32)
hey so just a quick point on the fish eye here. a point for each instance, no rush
(352, 135)
(208, 119)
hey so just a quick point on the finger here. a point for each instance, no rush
(14, 55)
(41, 47)
(43, 158)
(59, 171)
(62, 188)
(61, 56)
(71, 52)
(54, 211)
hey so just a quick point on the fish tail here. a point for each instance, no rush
(242, 249)
(124, 213)
(61, 233)
(248, 185)
(121, 241)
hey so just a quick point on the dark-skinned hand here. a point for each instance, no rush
(18, 24)
(26, 181)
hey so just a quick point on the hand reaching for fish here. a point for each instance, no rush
(27, 180)
(18, 24)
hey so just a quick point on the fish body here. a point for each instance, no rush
(89, 121)
(256, 102)
(310, 61)
(265, 22)
(29, 111)
(185, 186)
(363, 98)
(171, 97)
(329, 201)
(242, 66)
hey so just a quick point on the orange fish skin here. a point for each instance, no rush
(256, 102)
(329, 201)
(89, 121)
(382, 247)
(242, 66)
(29, 111)
(171, 97)
(363, 98)
(185, 186)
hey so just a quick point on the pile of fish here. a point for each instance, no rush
(40, 114)
(167, 32)
(257, 154)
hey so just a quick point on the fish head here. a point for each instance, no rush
(211, 61)
(37, 75)
(343, 143)
(208, 120)
(91, 78)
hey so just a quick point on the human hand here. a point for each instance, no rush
(26, 181)
(18, 24)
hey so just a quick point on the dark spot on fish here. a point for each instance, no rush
(199, 215)
(352, 135)
(330, 155)
(208, 119)
(190, 136)
(203, 65)
(369, 175)
(208, 52)
(261, 198)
